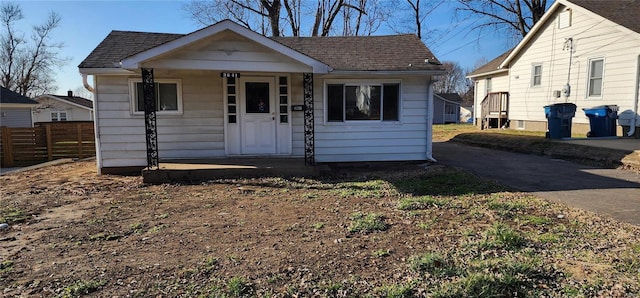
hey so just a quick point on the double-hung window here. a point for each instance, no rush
(168, 96)
(536, 75)
(363, 102)
(57, 116)
(596, 71)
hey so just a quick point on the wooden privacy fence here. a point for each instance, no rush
(46, 141)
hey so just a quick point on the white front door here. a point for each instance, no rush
(258, 119)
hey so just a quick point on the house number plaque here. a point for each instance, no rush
(230, 74)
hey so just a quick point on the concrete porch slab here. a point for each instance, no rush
(191, 171)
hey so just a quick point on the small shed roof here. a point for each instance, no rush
(452, 97)
(8, 96)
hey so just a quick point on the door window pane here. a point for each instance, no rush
(257, 97)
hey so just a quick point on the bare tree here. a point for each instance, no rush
(26, 65)
(294, 13)
(259, 15)
(420, 11)
(517, 16)
(363, 17)
(453, 81)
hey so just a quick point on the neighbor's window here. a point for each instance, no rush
(57, 116)
(536, 77)
(357, 102)
(487, 86)
(168, 96)
(596, 69)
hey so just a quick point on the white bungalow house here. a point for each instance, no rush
(15, 109)
(59, 108)
(582, 52)
(226, 91)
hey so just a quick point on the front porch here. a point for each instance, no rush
(197, 170)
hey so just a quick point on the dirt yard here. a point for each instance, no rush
(406, 232)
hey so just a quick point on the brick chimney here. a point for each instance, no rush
(70, 93)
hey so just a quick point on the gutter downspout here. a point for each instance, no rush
(634, 120)
(429, 153)
(96, 128)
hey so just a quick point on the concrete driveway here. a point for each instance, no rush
(615, 193)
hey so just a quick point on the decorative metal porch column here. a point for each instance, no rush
(309, 141)
(151, 130)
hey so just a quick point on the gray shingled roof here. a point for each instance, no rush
(622, 12)
(8, 96)
(361, 53)
(76, 100)
(491, 65)
(122, 44)
(366, 53)
(455, 97)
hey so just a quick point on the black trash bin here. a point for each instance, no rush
(559, 117)
(602, 120)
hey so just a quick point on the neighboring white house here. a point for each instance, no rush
(15, 109)
(582, 52)
(55, 108)
(226, 91)
(446, 108)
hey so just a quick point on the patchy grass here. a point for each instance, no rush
(434, 232)
(367, 223)
(82, 287)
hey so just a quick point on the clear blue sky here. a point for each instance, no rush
(86, 23)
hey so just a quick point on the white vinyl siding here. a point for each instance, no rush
(596, 72)
(593, 37)
(375, 141)
(196, 133)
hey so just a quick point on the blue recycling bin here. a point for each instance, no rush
(559, 117)
(602, 120)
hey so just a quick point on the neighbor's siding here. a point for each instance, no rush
(438, 111)
(375, 141)
(197, 133)
(593, 37)
(16, 117)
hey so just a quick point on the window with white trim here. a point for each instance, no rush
(487, 86)
(57, 116)
(536, 75)
(361, 102)
(596, 71)
(168, 96)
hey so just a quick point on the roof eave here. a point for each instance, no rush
(488, 73)
(388, 72)
(105, 71)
